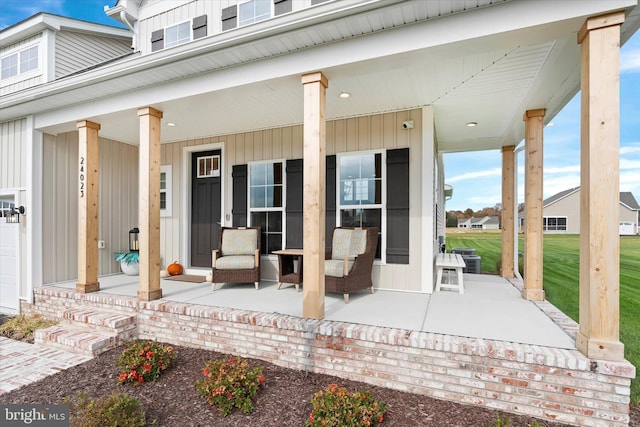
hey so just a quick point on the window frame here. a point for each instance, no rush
(271, 12)
(282, 209)
(167, 170)
(216, 172)
(177, 43)
(545, 223)
(383, 197)
(22, 75)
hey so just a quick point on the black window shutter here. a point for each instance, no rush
(398, 206)
(157, 40)
(229, 17)
(199, 27)
(330, 206)
(294, 203)
(239, 211)
(282, 6)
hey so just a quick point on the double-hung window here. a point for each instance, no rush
(165, 190)
(177, 34)
(254, 11)
(361, 195)
(20, 62)
(266, 203)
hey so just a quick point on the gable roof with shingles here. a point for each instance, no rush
(627, 199)
(558, 196)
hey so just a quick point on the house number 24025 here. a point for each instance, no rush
(82, 177)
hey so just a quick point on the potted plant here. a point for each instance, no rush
(128, 262)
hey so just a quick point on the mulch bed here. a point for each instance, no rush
(284, 401)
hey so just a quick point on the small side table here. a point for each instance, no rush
(286, 271)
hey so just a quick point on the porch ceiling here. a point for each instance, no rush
(479, 61)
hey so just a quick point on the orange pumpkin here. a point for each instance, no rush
(174, 269)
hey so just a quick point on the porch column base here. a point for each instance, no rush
(599, 349)
(85, 288)
(533, 294)
(150, 295)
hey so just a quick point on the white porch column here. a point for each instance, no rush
(508, 197)
(314, 134)
(598, 336)
(533, 221)
(88, 180)
(149, 208)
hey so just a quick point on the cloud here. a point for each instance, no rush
(630, 61)
(634, 147)
(474, 175)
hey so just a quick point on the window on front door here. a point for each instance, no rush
(266, 203)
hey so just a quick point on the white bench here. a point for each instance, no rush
(448, 261)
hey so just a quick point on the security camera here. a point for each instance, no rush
(407, 124)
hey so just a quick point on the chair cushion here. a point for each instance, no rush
(235, 262)
(239, 242)
(335, 268)
(358, 241)
(341, 246)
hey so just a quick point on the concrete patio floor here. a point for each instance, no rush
(490, 308)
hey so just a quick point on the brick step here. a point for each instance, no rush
(78, 339)
(100, 320)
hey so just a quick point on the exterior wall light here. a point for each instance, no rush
(472, 124)
(134, 241)
(13, 215)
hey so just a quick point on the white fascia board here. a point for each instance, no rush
(43, 21)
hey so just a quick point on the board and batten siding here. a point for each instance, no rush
(77, 51)
(118, 204)
(31, 79)
(13, 154)
(381, 131)
(156, 15)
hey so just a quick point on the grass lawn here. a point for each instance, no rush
(561, 277)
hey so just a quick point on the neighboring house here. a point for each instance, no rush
(234, 113)
(561, 214)
(484, 223)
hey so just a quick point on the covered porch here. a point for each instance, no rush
(491, 307)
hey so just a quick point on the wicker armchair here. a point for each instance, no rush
(347, 267)
(237, 259)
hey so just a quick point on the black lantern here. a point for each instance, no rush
(13, 215)
(134, 242)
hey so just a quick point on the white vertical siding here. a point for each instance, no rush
(13, 154)
(77, 51)
(344, 135)
(118, 204)
(156, 15)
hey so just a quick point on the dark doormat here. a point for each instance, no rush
(187, 278)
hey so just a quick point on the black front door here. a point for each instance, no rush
(206, 169)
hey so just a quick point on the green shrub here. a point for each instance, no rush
(144, 361)
(337, 407)
(21, 327)
(116, 409)
(229, 384)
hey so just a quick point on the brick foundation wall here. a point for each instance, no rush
(547, 383)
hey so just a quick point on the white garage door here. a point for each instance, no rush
(8, 267)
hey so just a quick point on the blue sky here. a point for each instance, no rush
(475, 176)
